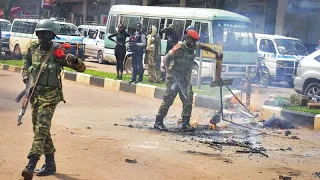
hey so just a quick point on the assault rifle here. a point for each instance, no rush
(180, 87)
(25, 94)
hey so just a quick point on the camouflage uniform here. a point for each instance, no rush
(181, 67)
(154, 55)
(47, 94)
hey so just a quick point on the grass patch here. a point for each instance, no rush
(205, 89)
(303, 109)
(12, 62)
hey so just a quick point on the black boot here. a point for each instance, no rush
(49, 167)
(27, 173)
(186, 124)
(159, 124)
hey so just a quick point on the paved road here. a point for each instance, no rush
(90, 146)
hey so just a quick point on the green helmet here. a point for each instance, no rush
(47, 25)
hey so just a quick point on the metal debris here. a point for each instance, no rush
(133, 161)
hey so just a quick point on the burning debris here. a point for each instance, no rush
(278, 123)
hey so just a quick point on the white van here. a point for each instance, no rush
(94, 41)
(281, 56)
(5, 35)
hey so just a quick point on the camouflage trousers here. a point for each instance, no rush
(169, 97)
(43, 104)
(153, 74)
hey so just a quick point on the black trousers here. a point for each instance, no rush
(120, 53)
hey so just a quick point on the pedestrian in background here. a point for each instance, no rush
(138, 44)
(172, 37)
(153, 55)
(120, 49)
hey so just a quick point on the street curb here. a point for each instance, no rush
(83, 78)
(96, 81)
(297, 118)
(206, 102)
(316, 125)
(126, 87)
(72, 76)
(112, 85)
(144, 90)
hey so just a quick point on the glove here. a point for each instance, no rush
(71, 58)
(25, 79)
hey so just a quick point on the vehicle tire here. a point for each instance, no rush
(194, 75)
(265, 79)
(17, 50)
(290, 84)
(7, 53)
(128, 65)
(313, 91)
(100, 57)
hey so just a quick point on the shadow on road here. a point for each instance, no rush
(65, 177)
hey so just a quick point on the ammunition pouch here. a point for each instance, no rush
(50, 75)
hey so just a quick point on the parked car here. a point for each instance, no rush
(94, 40)
(5, 35)
(281, 56)
(307, 80)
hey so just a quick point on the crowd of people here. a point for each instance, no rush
(144, 43)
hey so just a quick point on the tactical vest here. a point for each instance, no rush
(50, 75)
(183, 63)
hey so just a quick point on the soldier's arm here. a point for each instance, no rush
(206, 48)
(72, 62)
(27, 63)
(168, 58)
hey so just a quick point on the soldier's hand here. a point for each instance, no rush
(25, 79)
(71, 58)
(219, 55)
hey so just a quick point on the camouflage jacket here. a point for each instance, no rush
(180, 63)
(50, 78)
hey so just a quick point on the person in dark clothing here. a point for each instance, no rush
(172, 37)
(138, 44)
(120, 49)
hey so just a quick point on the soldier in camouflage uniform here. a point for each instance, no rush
(47, 94)
(178, 63)
(154, 55)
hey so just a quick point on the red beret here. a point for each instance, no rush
(193, 34)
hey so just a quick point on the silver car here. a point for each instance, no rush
(307, 80)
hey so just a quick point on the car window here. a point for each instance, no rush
(113, 24)
(317, 58)
(101, 35)
(267, 45)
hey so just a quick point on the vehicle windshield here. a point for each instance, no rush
(234, 35)
(68, 30)
(5, 26)
(291, 47)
